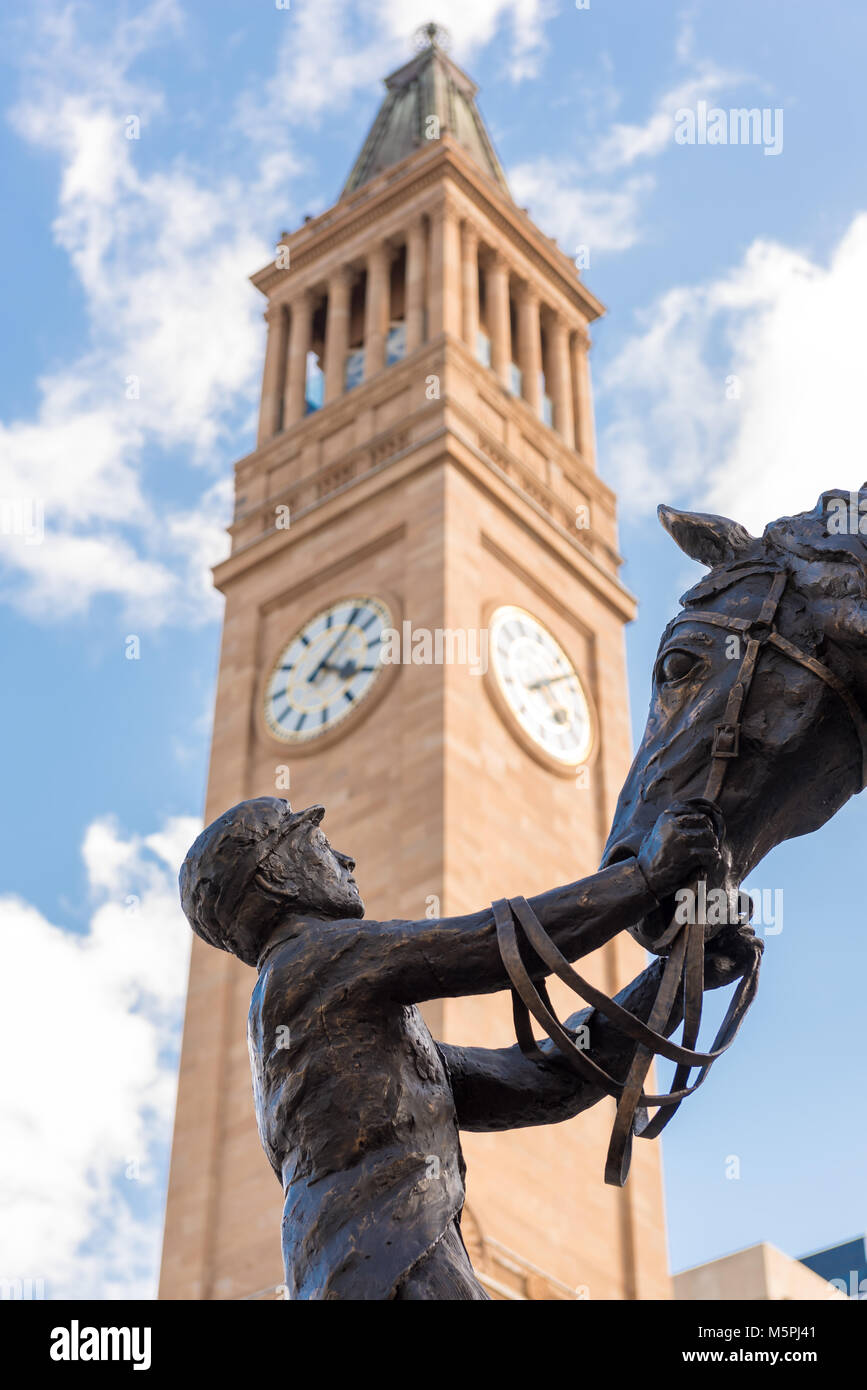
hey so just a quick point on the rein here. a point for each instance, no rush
(684, 966)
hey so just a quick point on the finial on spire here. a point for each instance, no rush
(432, 36)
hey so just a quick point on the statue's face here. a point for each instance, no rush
(327, 875)
(316, 877)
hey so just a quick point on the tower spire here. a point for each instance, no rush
(427, 97)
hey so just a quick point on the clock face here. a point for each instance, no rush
(327, 669)
(540, 686)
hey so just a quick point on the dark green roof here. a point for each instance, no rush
(430, 85)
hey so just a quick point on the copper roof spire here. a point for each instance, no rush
(428, 97)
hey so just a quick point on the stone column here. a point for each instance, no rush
(585, 441)
(499, 322)
(560, 388)
(470, 284)
(337, 333)
(377, 306)
(415, 285)
(301, 310)
(530, 347)
(275, 370)
(444, 310)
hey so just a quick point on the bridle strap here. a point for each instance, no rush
(726, 745)
(684, 967)
(727, 733)
(530, 998)
(834, 682)
(626, 1022)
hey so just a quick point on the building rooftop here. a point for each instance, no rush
(428, 97)
(759, 1272)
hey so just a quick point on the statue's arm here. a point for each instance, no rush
(413, 961)
(498, 1088)
(449, 956)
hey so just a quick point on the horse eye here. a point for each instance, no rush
(675, 665)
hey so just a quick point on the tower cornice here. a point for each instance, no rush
(411, 182)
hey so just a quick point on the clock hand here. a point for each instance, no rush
(329, 654)
(549, 680)
(347, 668)
(557, 711)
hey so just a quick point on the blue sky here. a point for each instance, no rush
(729, 377)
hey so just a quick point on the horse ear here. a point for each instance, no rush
(710, 539)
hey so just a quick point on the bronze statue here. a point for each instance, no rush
(750, 741)
(758, 691)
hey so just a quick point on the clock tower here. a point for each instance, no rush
(424, 632)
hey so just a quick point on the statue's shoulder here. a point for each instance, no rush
(308, 951)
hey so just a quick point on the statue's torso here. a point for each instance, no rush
(356, 1114)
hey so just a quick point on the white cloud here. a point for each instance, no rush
(73, 456)
(162, 255)
(470, 27)
(590, 199)
(90, 1025)
(162, 258)
(176, 338)
(325, 37)
(320, 38)
(560, 199)
(744, 395)
(626, 142)
(82, 567)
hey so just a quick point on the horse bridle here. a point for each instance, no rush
(684, 966)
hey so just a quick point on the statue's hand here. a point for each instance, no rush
(684, 841)
(730, 954)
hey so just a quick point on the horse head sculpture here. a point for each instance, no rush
(761, 678)
(757, 715)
